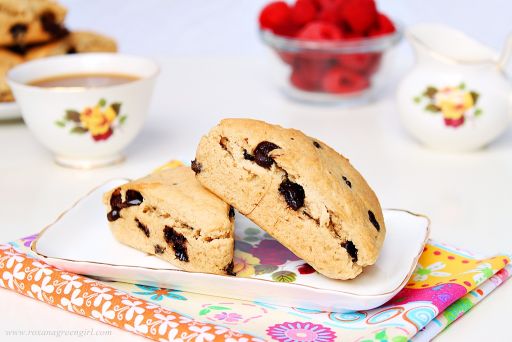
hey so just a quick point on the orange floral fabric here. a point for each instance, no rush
(92, 299)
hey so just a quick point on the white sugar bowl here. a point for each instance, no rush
(456, 97)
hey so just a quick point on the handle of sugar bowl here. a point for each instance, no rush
(504, 66)
(506, 53)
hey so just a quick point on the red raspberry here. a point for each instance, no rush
(277, 16)
(343, 81)
(384, 26)
(303, 12)
(373, 67)
(318, 30)
(330, 10)
(307, 73)
(360, 15)
(302, 81)
(287, 57)
(365, 63)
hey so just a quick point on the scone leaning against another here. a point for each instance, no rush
(298, 189)
(24, 22)
(75, 42)
(8, 60)
(169, 214)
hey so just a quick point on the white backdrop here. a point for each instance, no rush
(229, 27)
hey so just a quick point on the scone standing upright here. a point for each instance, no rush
(298, 189)
(169, 214)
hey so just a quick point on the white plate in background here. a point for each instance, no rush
(9, 111)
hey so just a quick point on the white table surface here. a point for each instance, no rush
(467, 196)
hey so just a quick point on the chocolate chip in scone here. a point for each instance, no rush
(373, 220)
(248, 156)
(51, 26)
(196, 166)
(351, 249)
(133, 197)
(115, 199)
(317, 145)
(48, 20)
(71, 50)
(20, 49)
(113, 215)
(229, 269)
(116, 204)
(17, 31)
(142, 227)
(224, 143)
(261, 152)
(178, 243)
(293, 193)
(347, 181)
(231, 212)
(159, 249)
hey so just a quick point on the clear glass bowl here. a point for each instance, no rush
(342, 72)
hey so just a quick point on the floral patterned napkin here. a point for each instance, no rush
(446, 284)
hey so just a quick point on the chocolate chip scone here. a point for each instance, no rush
(298, 189)
(8, 60)
(75, 42)
(25, 22)
(169, 214)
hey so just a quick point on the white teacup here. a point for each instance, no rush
(85, 127)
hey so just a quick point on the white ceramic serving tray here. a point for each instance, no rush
(80, 241)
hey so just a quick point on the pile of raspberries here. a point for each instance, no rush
(328, 21)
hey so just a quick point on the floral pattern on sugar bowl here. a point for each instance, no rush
(455, 104)
(457, 96)
(99, 120)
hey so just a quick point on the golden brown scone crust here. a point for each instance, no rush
(24, 22)
(339, 229)
(177, 220)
